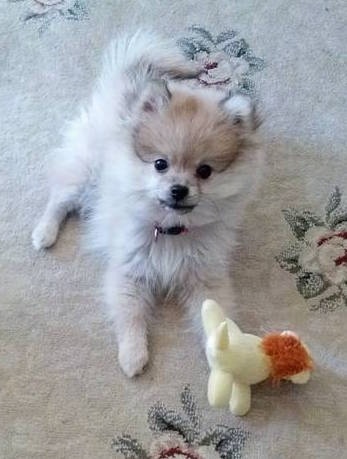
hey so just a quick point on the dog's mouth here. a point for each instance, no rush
(181, 208)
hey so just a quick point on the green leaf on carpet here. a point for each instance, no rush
(188, 47)
(129, 447)
(161, 419)
(333, 202)
(228, 441)
(339, 215)
(330, 303)
(190, 407)
(300, 222)
(288, 259)
(236, 48)
(224, 36)
(202, 32)
(310, 284)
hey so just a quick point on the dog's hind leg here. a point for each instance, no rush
(68, 182)
(61, 202)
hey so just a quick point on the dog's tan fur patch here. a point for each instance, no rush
(188, 131)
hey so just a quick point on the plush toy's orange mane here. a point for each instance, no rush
(287, 354)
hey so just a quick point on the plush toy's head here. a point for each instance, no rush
(289, 357)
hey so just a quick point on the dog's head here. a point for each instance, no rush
(190, 143)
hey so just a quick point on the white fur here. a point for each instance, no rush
(97, 159)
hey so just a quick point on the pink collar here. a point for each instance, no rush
(171, 230)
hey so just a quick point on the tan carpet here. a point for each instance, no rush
(62, 392)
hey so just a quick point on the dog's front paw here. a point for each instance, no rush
(133, 357)
(45, 235)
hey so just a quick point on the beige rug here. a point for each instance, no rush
(62, 392)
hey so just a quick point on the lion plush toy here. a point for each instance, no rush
(238, 360)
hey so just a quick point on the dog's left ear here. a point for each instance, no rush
(155, 96)
(242, 111)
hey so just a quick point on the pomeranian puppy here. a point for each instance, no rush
(166, 169)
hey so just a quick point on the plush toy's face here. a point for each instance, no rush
(290, 358)
(303, 376)
(300, 378)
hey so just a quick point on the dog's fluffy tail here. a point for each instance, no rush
(147, 55)
(131, 61)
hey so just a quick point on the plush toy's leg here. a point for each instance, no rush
(219, 388)
(240, 402)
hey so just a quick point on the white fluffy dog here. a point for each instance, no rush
(170, 168)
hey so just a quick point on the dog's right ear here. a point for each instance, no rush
(243, 112)
(155, 96)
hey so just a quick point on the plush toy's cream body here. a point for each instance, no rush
(238, 360)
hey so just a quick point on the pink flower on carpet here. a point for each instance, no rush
(180, 437)
(326, 254)
(43, 6)
(227, 59)
(172, 446)
(47, 11)
(49, 2)
(221, 69)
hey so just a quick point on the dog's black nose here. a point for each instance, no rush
(179, 192)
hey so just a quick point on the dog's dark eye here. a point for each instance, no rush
(204, 171)
(161, 165)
